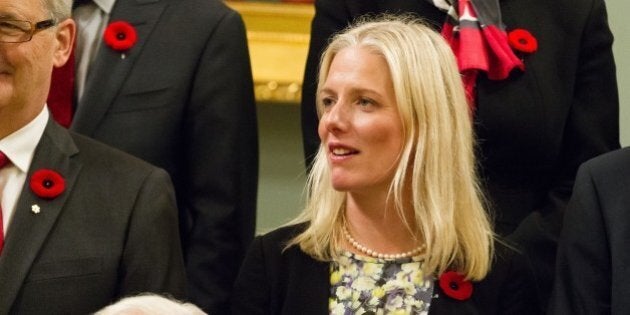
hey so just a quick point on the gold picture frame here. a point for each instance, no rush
(278, 37)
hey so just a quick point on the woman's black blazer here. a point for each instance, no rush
(277, 281)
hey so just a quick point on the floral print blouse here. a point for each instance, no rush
(366, 285)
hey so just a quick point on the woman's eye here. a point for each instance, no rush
(365, 102)
(327, 101)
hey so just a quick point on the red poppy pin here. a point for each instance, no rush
(120, 36)
(455, 285)
(47, 184)
(523, 41)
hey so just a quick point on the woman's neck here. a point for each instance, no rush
(374, 222)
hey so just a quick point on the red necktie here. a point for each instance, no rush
(61, 94)
(4, 160)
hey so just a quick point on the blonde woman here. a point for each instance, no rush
(394, 221)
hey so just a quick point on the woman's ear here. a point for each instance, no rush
(65, 37)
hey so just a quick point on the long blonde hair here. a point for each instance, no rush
(437, 158)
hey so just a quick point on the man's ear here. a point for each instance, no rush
(64, 38)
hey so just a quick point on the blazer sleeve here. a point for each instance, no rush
(509, 287)
(517, 294)
(583, 277)
(152, 257)
(251, 291)
(222, 164)
(591, 129)
(593, 123)
(279, 280)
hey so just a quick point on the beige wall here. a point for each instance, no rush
(618, 18)
(281, 165)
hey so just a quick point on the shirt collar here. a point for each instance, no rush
(20, 146)
(105, 5)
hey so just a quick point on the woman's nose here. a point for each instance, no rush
(336, 118)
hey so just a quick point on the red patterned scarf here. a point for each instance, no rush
(475, 32)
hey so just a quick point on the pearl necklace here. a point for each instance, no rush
(376, 254)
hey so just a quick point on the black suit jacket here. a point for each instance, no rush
(182, 99)
(111, 233)
(277, 281)
(593, 258)
(536, 127)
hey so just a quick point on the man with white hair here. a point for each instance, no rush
(150, 304)
(81, 224)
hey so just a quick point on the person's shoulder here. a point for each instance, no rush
(205, 8)
(96, 154)
(275, 243)
(280, 256)
(610, 161)
(208, 18)
(282, 235)
(610, 172)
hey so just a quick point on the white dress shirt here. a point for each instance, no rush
(91, 19)
(19, 147)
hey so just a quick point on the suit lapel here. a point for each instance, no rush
(28, 231)
(109, 70)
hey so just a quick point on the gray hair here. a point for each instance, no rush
(150, 304)
(58, 9)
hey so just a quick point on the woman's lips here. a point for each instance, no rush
(341, 152)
